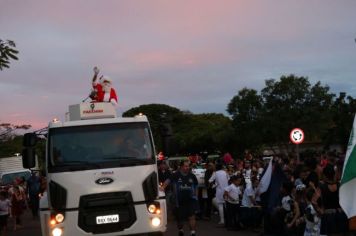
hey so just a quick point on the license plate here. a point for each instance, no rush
(109, 219)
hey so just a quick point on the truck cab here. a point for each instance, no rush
(101, 175)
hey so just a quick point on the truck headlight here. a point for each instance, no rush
(57, 232)
(56, 218)
(59, 218)
(155, 221)
(152, 208)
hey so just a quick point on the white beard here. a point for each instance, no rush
(106, 88)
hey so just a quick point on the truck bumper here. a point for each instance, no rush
(142, 225)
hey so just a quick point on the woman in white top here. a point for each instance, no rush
(221, 179)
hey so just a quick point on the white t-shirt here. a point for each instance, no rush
(4, 207)
(247, 173)
(247, 176)
(286, 203)
(234, 193)
(221, 179)
(246, 201)
(312, 222)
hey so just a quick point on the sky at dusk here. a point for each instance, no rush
(193, 55)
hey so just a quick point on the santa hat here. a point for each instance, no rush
(106, 78)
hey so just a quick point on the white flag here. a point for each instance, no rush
(266, 179)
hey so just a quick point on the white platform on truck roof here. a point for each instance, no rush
(87, 111)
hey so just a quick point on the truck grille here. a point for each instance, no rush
(103, 204)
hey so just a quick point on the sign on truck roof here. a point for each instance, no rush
(85, 111)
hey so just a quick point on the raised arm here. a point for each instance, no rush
(96, 72)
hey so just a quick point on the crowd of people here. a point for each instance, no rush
(21, 195)
(302, 197)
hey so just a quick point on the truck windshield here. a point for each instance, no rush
(99, 146)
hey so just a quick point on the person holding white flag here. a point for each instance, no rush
(347, 194)
(266, 178)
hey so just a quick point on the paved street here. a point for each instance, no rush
(32, 228)
(207, 228)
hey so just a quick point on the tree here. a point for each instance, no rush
(7, 52)
(11, 146)
(189, 133)
(292, 102)
(318, 112)
(342, 112)
(204, 132)
(7, 130)
(246, 109)
(154, 114)
(267, 119)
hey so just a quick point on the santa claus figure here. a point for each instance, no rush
(103, 90)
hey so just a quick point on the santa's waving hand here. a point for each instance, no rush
(104, 90)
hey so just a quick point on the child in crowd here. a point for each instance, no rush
(232, 196)
(302, 204)
(5, 212)
(312, 213)
(290, 209)
(250, 211)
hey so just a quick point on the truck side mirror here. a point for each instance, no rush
(28, 158)
(29, 140)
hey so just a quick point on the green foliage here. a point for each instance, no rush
(203, 132)
(293, 102)
(191, 133)
(154, 114)
(246, 109)
(266, 119)
(9, 147)
(342, 111)
(7, 53)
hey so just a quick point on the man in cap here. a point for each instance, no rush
(104, 92)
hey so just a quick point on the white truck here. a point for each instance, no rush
(11, 169)
(101, 175)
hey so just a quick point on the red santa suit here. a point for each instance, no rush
(104, 91)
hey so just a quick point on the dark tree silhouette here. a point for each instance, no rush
(7, 52)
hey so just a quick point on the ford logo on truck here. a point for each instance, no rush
(104, 180)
